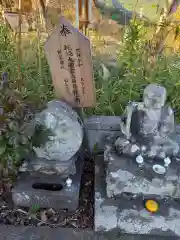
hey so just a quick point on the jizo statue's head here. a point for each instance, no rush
(154, 96)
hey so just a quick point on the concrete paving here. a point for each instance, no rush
(46, 233)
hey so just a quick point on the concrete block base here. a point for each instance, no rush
(48, 191)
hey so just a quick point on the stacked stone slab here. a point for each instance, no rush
(122, 187)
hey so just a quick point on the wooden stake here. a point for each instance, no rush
(38, 38)
(77, 14)
(86, 15)
(19, 41)
(80, 14)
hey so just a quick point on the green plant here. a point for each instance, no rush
(134, 71)
(15, 139)
(37, 86)
(34, 209)
(8, 59)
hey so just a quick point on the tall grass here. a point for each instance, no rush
(35, 86)
(126, 82)
(134, 71)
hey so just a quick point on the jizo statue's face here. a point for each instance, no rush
(153, 101)
(154, 96)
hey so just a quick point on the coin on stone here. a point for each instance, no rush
(152, 206)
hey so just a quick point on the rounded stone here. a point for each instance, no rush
(64, 132)
(139, 159)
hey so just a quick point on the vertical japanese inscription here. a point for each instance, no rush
(66, 85)
(83, 86)
(79, 63)
(69, 56)
(68, 50)
(61, 60)
(59, 52)
(78, 54)
(71, 66)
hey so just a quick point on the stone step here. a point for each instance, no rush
(46, 233)
(43, 233)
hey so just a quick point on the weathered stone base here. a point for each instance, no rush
(123, 174)
(48, 190)
(128, 214)
(55, 167)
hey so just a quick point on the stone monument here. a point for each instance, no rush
(146, 149)
(137, 179)
(148, 127)
(54, 170)
(50, 176)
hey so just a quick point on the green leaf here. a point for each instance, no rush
(154, 5)
(13, 140)
(34, 209)
(177, 32)
(13, 126)
(2, 149)
(114, 17)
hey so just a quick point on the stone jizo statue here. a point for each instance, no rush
(148, 127)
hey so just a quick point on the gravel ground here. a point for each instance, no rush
(82, 218)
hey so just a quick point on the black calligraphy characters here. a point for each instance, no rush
(64, 30)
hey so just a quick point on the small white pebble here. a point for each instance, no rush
(167, 161)
(139, 159)
(69, 182)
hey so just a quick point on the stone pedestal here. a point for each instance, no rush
(121, 188)
(126, 211)
(124, 175)
(64, 169)
(49, 190)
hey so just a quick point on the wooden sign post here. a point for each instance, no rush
(13, 20)
(69, 56)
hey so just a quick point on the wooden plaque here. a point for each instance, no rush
(69, 56)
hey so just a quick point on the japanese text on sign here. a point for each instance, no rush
(69, 56)
(60, 58)
(71, 66)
